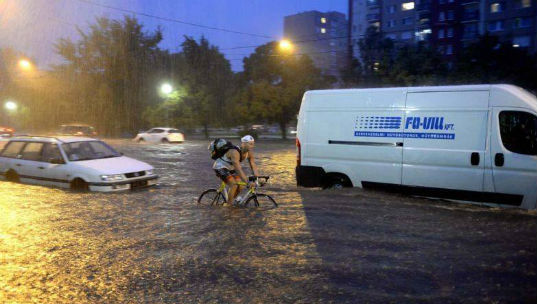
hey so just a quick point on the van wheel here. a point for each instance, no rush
(165, 141)
(79, 185)
(12, 176)
(336, 181)
(141, 139)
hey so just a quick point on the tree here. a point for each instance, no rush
(108, 74)
(207, 78)
(275, 84)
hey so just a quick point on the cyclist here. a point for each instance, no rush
(228, 167)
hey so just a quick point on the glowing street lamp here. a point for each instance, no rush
(286, 45)
(25, 64)
(10, 105)
(166, 88)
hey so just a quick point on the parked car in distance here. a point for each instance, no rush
(162, 135)
(6, 131)
(78, 163)
(77, 130)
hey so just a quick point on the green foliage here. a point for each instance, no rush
(274, 85)
(108, 74)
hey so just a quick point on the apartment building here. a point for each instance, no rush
(322, 36)
(450, 25)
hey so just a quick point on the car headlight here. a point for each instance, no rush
(112, 177)
(149, 172)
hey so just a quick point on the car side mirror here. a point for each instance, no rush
(57, 161)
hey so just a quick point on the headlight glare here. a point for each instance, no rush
(112, 177)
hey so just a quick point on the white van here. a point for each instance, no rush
(473, 143)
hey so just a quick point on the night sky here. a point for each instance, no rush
(33, 26)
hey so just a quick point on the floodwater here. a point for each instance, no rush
(351, 246)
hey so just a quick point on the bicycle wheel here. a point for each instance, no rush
(261, 201)
(211, 197)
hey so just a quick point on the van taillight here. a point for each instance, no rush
(298, 152)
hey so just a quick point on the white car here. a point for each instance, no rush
(162, 135)
(72, 162)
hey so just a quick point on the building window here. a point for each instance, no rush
(521, 41)
(497, 7)
(522, 3)
(323, 30)
(521, 22)
(407, 6)
(450, 15)
(323, 20)
(391, 9)
(470, 31)
(391, 23)
(391, 36)
(354, 28)
(496, 26)
(407, 20)
(450, 32)
(376, 24)
(442, 2)
(441, 34)
(406, 35)
(449, 49)
(441, 16)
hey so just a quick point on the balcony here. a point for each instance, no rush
(470, 16)
(372, 3)
(373, 17)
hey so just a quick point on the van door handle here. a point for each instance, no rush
(41, 167)
(18, 165)
(474, 159)
(499, 159)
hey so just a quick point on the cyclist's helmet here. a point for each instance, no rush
(247, 138)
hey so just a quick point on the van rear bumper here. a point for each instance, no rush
(309, 176)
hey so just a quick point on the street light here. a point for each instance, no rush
(286, 45)
(25, 64)
(166, 88)
(10, 105)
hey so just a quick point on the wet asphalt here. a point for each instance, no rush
(351, 246)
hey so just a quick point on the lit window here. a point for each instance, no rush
(523, 3)
(323, 20)
(407, 6)
(323, 30)
(496, 7)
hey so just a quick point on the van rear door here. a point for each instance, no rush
(445, 140)
(514, 156)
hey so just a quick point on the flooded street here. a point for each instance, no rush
(352, 246)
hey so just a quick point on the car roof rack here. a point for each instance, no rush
(42, 136)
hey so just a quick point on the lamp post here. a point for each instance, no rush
(10, 107)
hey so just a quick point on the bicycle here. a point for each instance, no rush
(252, 199)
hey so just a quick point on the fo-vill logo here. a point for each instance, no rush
(427, 123)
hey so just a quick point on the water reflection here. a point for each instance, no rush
(158, 246)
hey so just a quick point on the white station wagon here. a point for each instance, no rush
(72, 162)
(161, 135)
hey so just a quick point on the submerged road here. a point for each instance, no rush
(350, 246)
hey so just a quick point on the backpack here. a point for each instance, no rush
(220, 146)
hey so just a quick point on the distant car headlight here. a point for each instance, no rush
(112, 177)
(149, 172)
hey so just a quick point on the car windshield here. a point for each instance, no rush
(87, 150)
(174, 131)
